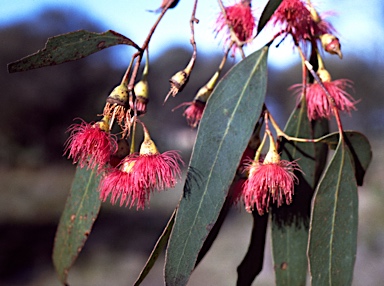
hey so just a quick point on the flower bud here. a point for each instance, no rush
(331, 44)
(141, 92)
(119, 95)
(324, 75)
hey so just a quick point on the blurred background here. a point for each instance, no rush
(37, 107)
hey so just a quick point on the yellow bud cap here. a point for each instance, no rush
(127, 166)
(141, 89)
(148, 147)
(205, 92)
(331, 44)
(103, 124)
(119, 95)
(272, 156)
(324, 75)
(314, 15)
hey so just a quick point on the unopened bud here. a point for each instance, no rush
(331, 44)
(119, 95)
(141, 92)
(324, 75)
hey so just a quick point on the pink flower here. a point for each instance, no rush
(193, 112)
(318, 105)
(89, 145)
(241, 19)
(141, 174)
(266, 181)
(296, 20)
(157, 171)
(120, 185)
(236, 189)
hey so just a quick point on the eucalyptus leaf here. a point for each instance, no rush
(334, 219)
(267, 13)
(159, 246)
(359, 147)
(224, 131)
(70, 47)
(80, 212)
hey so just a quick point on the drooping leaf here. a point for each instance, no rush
(70, 47)
(253, 260)
(227, 124)
(267, 13)
(360, 150)
(80, 212)
(290, 223)
(334, 218)
(160, 245)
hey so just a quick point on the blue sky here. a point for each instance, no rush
(359, 23)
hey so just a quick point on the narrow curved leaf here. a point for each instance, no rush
(290, 223)
(267, 13)
(80, 212)
(334, 218)
(227, 124)
(360, 150)
(160, 245)
(70, 47)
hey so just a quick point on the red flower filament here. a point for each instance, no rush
(140, 175)
(240, 18)
(266, 181)
(89, 146)
(319, 105)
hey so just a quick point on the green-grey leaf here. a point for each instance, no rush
(267, 13)
(69, 47)
(227, 124)
(334, 218)
(359, 147)
(80, 212)
(290, 223)
(160, 244)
